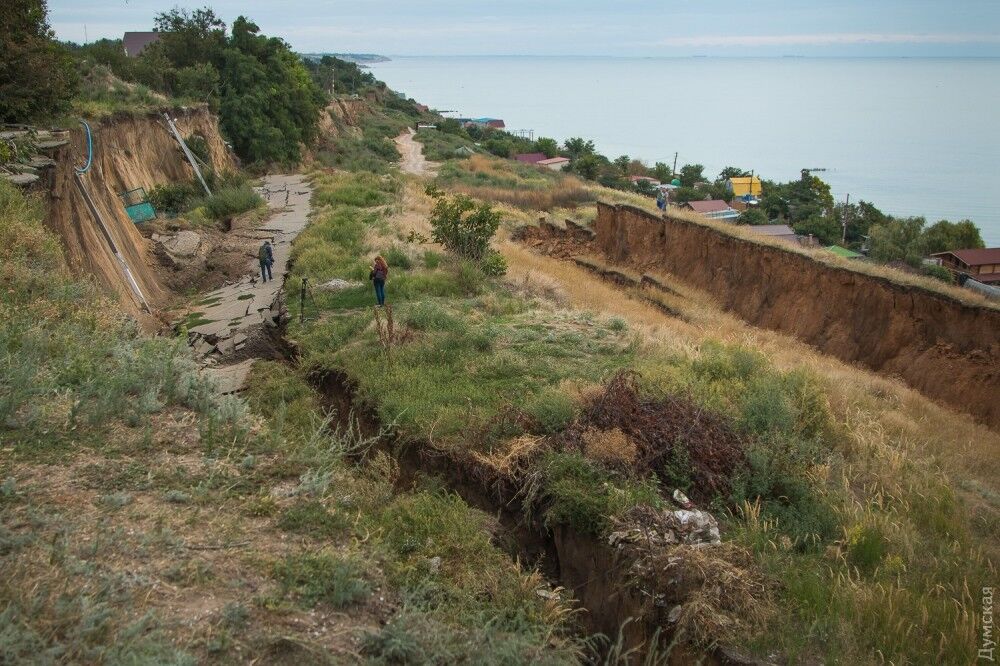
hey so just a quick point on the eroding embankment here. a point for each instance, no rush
(946, 349)
(129, 152)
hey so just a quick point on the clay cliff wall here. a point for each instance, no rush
(944, 348)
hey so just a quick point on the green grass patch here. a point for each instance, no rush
(324, 577)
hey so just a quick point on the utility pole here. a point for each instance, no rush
(847, 215)
(672, 173)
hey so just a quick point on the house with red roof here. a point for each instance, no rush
(982, 264)
(530, 158)
(715, 209)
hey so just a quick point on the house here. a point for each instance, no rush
(779, 231)
(745, 186)
(136, 42)
(844, 252)
(494, 123)
(554, 163)
(715, 209)
(982, 265)
(530, 158)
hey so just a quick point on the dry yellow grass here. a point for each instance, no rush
(880, 413)
(612, 447)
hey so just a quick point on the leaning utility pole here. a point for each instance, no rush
(672, 173)
(187, 153)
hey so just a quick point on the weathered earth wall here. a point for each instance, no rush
(946, 349)
(129, 152)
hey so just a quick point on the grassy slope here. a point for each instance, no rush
(854, 520)
(143, 520)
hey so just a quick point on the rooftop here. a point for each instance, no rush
(772, 229)
(708, 206)
(974, 257)
(530, 158)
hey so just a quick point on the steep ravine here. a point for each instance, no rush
(944, 348)
(129, 152)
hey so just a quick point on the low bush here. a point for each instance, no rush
(231, 201)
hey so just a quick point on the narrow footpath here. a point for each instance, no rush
(413, 160)
(227, 326)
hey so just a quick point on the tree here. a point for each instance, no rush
(270, 104)
(944, 235)
(731, 172)
(191, 37)
(37, 75)
(898, 239)
(587, 165)
(685, 194)
(200, 82)
(823, 227)
(754, 216)
(463, 226)
(692, 174)
(547, 146)
(622, 164)
(578, 147)
(860, 217)
(662, 172)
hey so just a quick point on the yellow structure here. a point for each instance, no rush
(744, 185)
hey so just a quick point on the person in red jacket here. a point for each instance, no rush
(378, 275)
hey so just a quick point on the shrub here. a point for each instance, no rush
(939, 272)
(586, 496)
(173, 198)
(494, 264)
(463, 226)
(227, 202)
(431, 259)
(552, 409)
(397, 258)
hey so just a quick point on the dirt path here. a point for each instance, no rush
(413, 160)
(229, 327)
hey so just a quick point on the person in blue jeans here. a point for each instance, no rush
(266, 257)
(378, 275)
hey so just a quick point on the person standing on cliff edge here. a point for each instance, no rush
(265, 255)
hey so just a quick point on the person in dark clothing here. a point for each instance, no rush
(266, 257)
(378, 275)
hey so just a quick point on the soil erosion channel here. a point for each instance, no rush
(240, 322)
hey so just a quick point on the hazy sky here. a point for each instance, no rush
(584, 27)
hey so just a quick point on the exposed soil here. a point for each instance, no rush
(413, 160)
(129, 152)
(946, 349)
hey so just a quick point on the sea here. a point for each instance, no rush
(914, 136)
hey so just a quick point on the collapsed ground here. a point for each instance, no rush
(152, 520)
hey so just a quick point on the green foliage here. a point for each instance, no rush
(938, 273)
(691, 174)
(230, 201)
(323, 577)
(432, 259)
(552, 409)
(577, 147)
(174, 198)
(335, 76)
(37, 76)
(198, 82)
(587, 165)
(825, 229)
(463, 226)
(493, 264)
(662, 172)
(440, 146)
(550, 147)
(753, 216)
(898, 239)
(585, 496)
(396, 257)
(313, 519)
(944, 236)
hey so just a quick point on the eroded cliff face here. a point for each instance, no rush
(946, 349)
(129, 152)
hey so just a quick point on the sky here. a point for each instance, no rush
(822, 28)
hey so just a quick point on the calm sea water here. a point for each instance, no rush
(913, 136)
